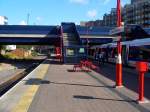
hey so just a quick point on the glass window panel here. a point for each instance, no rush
(70, 52)
(81, 50)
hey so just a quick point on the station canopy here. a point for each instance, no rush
(131, 32)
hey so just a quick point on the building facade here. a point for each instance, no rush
(138, 12)
(92, 23)
(135, 1)
(3, 20)
(111, 18)
(83, 23)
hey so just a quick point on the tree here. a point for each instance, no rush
(26, 47)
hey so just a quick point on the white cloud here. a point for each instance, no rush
(106, 1)
(79, 1)
(22, 23)
(124, 2)
(92, 13)
(38, 18)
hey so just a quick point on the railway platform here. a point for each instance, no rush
(5, 75)
(53, 87)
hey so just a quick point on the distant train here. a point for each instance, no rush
(132, 51)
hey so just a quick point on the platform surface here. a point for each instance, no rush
(56, 88)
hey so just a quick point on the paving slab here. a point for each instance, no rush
(65, 91)
(18, 98)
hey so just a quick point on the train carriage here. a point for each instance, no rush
(132, 51)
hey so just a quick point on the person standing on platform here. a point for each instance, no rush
(100, 58)
(103, 57)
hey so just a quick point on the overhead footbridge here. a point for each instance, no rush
(94, 35)
(50, 35)
(29, 35)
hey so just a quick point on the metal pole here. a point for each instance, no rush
(119, 48)
(87, 42)
(141, 87)
(61, 42)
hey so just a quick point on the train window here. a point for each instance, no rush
(110, 52)
(133, 53)
(145, 52)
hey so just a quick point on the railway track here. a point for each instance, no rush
(6, 85)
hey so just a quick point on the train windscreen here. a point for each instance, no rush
(139, 53)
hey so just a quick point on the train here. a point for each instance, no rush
(132, 51)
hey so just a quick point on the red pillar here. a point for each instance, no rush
(141, 87)
(58, 52)
(142, 68)
(119, 60)
(118, 13)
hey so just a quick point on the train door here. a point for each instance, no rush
(112, 53)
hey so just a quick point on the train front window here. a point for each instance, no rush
(133, 53)
(145, 52)
(139, 53)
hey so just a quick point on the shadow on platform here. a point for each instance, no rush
(95, 98)
(130, 77)
(71, 70)
(72, 84)
(36, 81)
(50, 61)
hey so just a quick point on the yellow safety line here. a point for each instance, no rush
(26, 100)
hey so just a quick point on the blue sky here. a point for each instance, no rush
(53, 12)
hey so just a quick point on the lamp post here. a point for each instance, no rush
(61, 44)
(87, 40)
(119, 49)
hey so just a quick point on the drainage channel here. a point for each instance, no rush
(6, 86)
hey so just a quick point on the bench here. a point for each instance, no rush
(84, 65)
(90, 65)
(80, 65)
